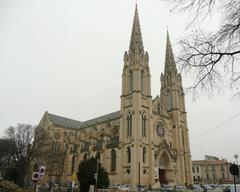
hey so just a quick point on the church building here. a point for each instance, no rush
(147, 135)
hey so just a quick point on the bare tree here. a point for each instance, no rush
(212, 57)
(27, 143)
(5, 158)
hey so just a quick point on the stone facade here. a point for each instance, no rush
(146, 135)
(211, 170)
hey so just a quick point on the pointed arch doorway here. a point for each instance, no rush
(164, 167)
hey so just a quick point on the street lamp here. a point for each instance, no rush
(236, 157)
(96, 177)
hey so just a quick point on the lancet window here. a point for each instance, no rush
(128, 154)
(144, 120)
(113, 160)
(129, 125)
(144, 154)
(73, 163)
(55, 146)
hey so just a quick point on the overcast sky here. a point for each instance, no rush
(66, 57)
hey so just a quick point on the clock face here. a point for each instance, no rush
(160, 129)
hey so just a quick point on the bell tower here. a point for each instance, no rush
(136, 110)
(173, 98)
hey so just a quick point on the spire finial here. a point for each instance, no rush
(170, 65)
(136, 37)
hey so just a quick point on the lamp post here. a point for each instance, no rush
(96, 176)
(139, 179)
(236, 157)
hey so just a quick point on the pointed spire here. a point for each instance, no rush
(170, 65)
(136, 37)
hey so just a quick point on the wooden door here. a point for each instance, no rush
(162, 176)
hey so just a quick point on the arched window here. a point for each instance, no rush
(129, 125)
(131, 80)
(128, 154)
(73, 163)
(144, 154)
(113, 160)
(142, 81)
(144, 119)
(85, 156)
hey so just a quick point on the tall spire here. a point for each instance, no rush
(170, 65)
(136, 37)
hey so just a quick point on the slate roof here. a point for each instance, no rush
(63, 121)
(71, 123)
(101, 119)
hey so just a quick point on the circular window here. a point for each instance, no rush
(160, 129)
(57, 135)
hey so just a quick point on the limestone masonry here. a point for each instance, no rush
(152, 133)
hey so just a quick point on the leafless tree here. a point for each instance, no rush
(5, 158)
(27, 143)
(212, 57)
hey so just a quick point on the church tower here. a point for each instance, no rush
(136, 111)
(145, 142)
(172, 97)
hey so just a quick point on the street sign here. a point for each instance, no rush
(35, 176)
(234, 169)
(42, 170)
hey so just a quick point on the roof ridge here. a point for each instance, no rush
(64, 117)
(101, 118)
(72, 123)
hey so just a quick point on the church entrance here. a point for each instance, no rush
(162, 176)
(164, 167)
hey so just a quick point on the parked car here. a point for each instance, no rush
(114, 186)
(179, 188)
(124, 188)
(217, 188)
(207, 188)
(166, 188)
(195, 188)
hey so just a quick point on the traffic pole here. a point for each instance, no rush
(36, 187)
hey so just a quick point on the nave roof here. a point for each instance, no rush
(71, 123)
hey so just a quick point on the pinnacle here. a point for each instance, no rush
(170, 65)
(136, 37)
